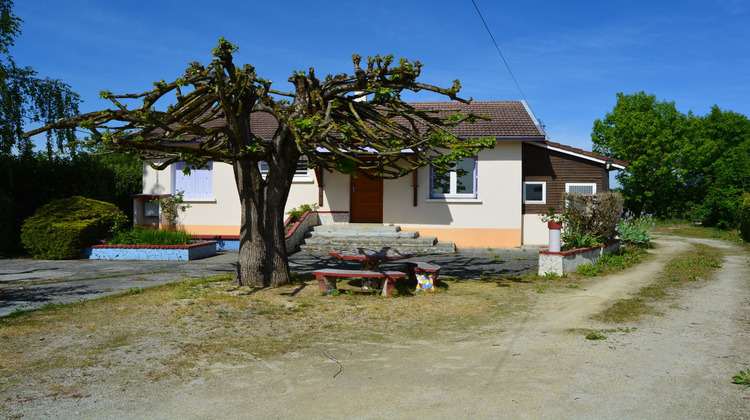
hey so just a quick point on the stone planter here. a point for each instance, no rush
(189, 252)
(564, 262)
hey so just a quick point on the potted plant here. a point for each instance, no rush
(553, 219)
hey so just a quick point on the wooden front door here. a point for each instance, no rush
(366, 200)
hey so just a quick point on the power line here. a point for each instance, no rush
(498, 50)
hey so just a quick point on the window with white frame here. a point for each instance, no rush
(460, 182)
(199, 183)
(535, 192)
(300, 174)
(580, 188)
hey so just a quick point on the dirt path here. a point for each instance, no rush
(675, 366)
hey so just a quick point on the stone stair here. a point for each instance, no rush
(322, 239)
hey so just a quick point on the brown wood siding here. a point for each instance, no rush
(557, 169)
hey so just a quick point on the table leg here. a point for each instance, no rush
(425, 281)
(369, 283)
(326, 284)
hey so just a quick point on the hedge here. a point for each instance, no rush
(63, 228)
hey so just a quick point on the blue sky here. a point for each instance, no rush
(570, 58)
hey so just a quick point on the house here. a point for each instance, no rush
(494, 201)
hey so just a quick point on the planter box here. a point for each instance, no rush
(568, 261)
(292, 240)
(193, 251)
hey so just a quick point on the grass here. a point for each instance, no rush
(167, 331)
(626, 257)
(689, 230)
(144, 236)
(688, 268)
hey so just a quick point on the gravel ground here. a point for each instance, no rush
(674, 366)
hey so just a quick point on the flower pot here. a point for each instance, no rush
(554, 225)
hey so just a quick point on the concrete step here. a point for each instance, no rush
(366, 241)
(356, 228)
(325, 238)
(439, 248)
(411, 234)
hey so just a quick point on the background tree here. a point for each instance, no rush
(326, 120)
(721, 167)
(26, 98)
(650, 136)
(680, 165)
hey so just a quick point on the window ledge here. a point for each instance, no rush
(199, 200)
(454, 200)
(302, 180)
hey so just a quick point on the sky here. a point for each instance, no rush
(569, 58)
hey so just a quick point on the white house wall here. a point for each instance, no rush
(492, 220)
(535, 231)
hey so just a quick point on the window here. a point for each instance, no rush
(535, 192)
(580, 188)
(461, 182)
(199, 184)
(299, 175)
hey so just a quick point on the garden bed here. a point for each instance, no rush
(568, 261)
(193, 251)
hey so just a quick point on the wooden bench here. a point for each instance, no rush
(327, 278)
(424, 273)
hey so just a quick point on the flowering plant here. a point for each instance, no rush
(636, 229)
(551, 216)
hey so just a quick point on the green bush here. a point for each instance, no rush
(745, 217)
(63, 228)
(28, 182)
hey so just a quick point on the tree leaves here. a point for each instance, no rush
(681, 165)
(25, 97)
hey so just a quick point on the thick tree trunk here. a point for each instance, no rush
(262, 260)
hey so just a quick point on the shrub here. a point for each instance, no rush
(745, 217)
(590, 220)
(171, 207)
(63, 228)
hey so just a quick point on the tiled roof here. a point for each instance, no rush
(508, 119)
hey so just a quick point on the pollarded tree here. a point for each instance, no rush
(27, 98)
(326, 120)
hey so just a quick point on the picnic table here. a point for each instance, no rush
(424, 274)
(371, 259)
(369, 273)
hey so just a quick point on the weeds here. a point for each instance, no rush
(595, 336)
(625, 257)
(742, 379)
(686, 268)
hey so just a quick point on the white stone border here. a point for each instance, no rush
(564, 262)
